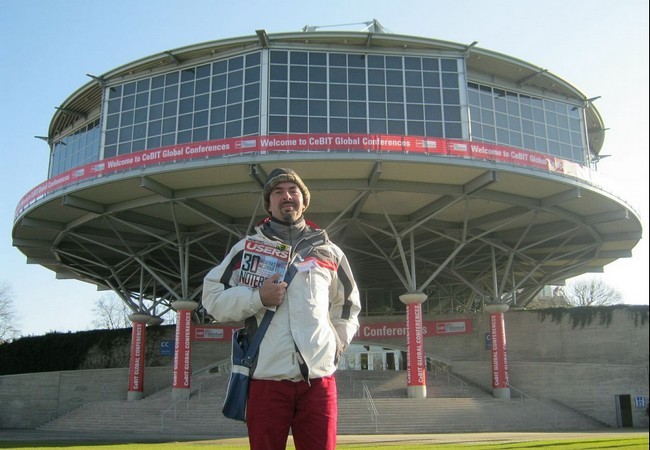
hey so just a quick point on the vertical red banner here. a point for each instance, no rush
(182, 369)
(415, 362)
(136, 366)
(499, 353)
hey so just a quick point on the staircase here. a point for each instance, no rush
(452, 406)
(455, 415)
(392, 384)
(158, 414)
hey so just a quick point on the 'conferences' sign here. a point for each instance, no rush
(384, 330)
(429, 328)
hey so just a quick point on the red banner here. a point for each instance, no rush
(182, 368)
(391, 330)
(499, 354)
(136, 366)
(415, 361)
(213, 333)
(376, 143)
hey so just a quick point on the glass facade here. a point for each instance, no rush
(317, 92)
(210, 101)
(508, 118)
(76, 149)
(304, 91)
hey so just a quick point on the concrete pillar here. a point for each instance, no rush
(416, 374)
(500, 380)
(154, 320)
(182, 349)
(137, 362)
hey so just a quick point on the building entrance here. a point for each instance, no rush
(371, 357)
(624, 411)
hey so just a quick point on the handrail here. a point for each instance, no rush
(439, 366)
(196, 392)
(222, 366)
(58, 412)
(173, 408)
(523, 396)
(75, 403)
(371, 404)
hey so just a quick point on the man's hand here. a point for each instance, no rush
(272, 292)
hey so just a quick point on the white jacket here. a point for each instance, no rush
(319, 312)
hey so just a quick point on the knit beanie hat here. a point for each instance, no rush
(281, 176)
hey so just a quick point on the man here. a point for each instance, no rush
(292, 384)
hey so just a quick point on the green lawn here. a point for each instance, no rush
(636, 441)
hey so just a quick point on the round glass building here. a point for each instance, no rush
(440, 168)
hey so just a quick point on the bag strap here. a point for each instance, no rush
(254, 346)
(311, 243)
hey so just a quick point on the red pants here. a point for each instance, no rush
(308, 410)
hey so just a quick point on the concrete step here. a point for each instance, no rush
(447, 412)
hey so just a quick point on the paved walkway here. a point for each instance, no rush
(384, 439)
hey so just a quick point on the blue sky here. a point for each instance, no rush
(48, 46)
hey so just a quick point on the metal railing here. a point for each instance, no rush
(523, 397)
(370, 403)
(196, 392)
(172, 410)
(63, 410)
(439, 367)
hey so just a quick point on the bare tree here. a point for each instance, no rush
(8, 315)
(549, 297)
(111, 313)
(591, 292)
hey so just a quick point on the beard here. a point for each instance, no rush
(289, 215)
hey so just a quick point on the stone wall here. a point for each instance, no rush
(572, 360)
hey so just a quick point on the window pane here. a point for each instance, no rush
(377, 110)
(278, 124)
(317, 108)
(395, 111)
(338, 126)
(278, 89)
(338, 91)
(338, 75)
(376, 76)
(233, 129)
(339, 109)
(317, 74)
(357, 109)
(251, 126)
(317, 125)
(413, 78)
(377, 126)
(396, 127)
(318, 90)
(298, 73)
(298, 90)
(357, 126)
(298, 125)
(277, 106)
(252, 108)
(298, 107)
